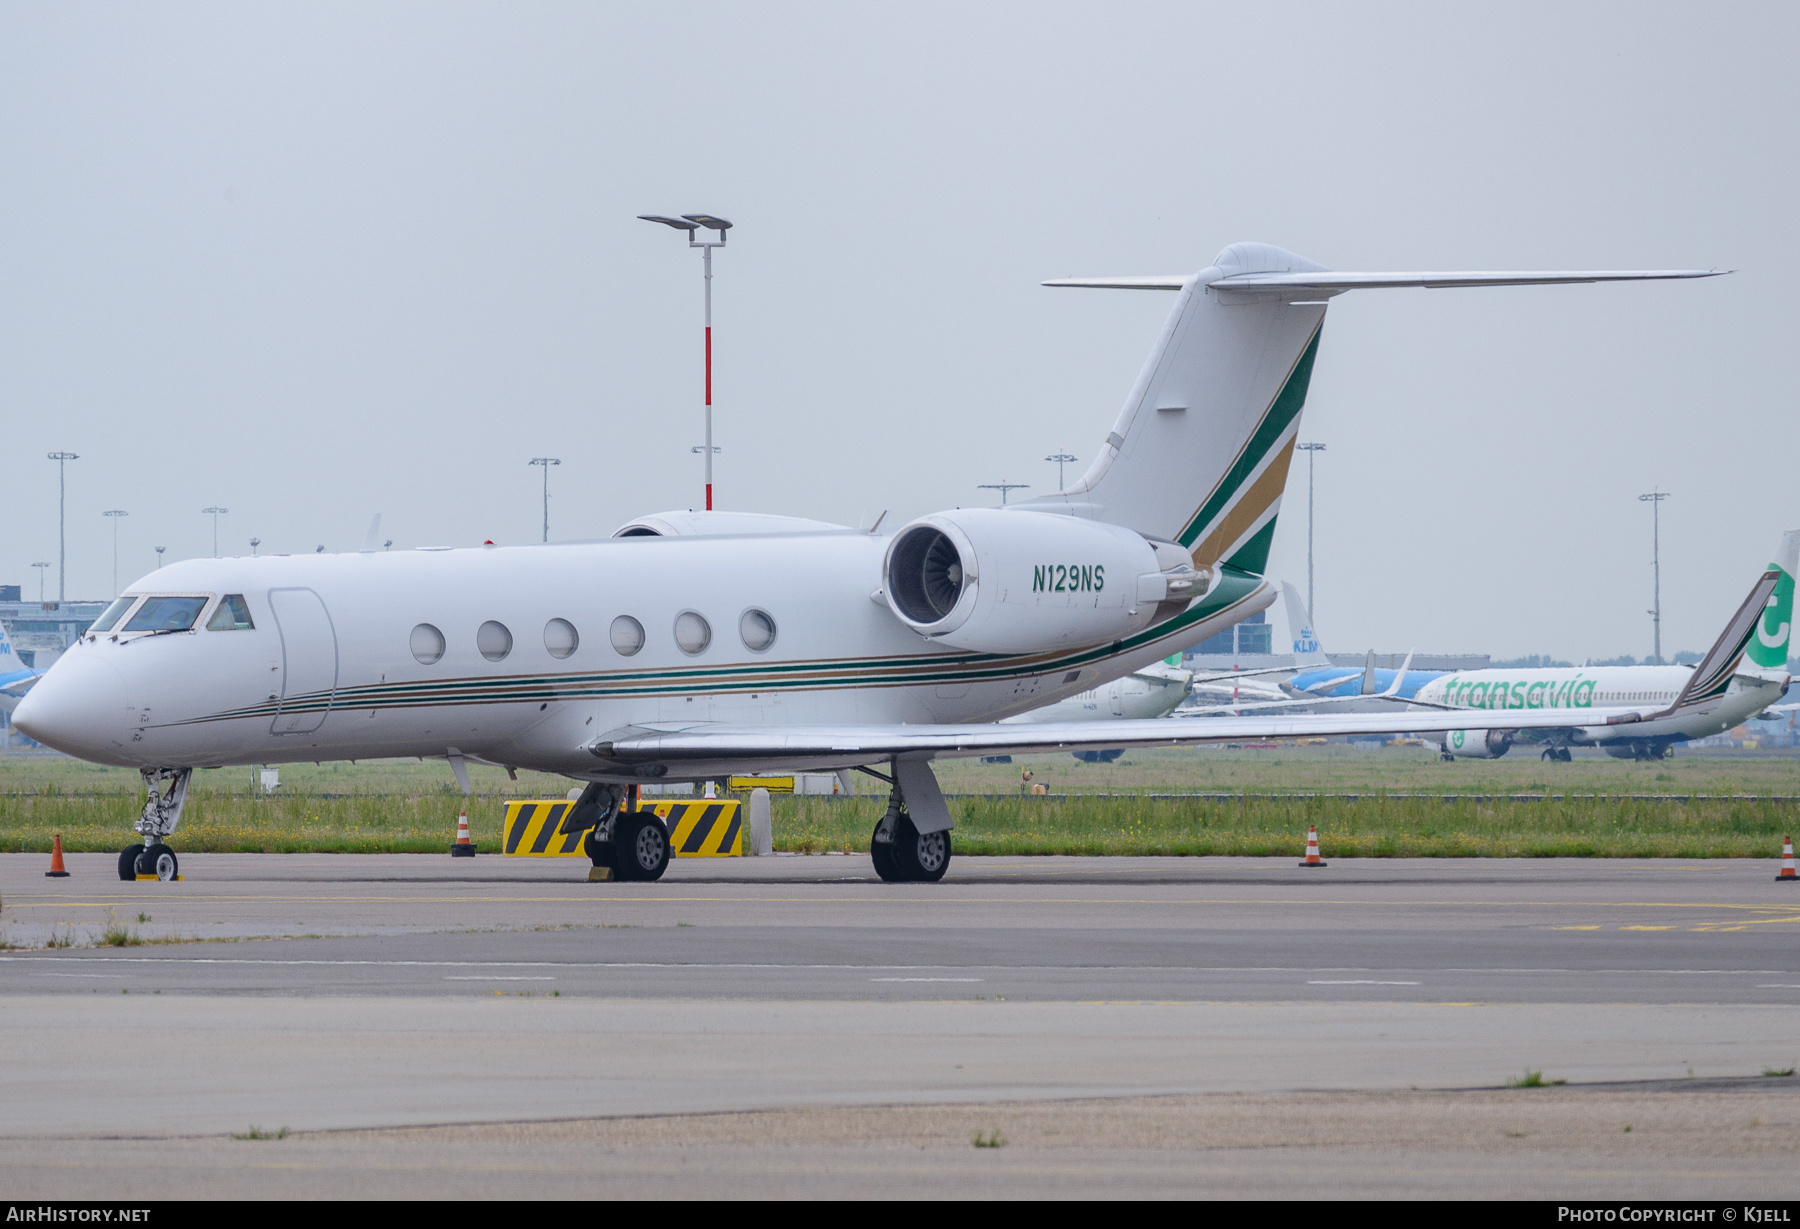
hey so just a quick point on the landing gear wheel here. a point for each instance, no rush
(886, 862)
(159, 860)
(922, 857)
(128, 860)
(599, 852)
(1549, 754)
(640, 846)
(1563, 755)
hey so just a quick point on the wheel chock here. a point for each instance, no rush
(142, 878)
(600, 874)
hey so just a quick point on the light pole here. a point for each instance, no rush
(1003, 487)
(40, 567)
(546, 462)
(254, 543)
(1061, 458)
(1654, 499)
(114, 516)
(691, 223)
(62, 460)
(215, 512)
(159, 551)
(1310, 450)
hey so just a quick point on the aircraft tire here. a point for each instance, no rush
(128, 860)
(600, 853)
(921, 857)
(886, 864)
(640, 847)
(160, 860)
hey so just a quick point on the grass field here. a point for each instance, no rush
(405, 806)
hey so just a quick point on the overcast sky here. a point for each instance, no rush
(314, 262)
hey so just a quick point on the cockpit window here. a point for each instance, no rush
(166, 614)
(112, 614)
(233, 615)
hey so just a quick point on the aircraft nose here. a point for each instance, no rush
(78, 708)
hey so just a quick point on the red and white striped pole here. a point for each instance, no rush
(692, 223)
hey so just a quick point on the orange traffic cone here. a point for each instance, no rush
(1785, 875)
(58, 873)
(1312, 847)
(464, 847)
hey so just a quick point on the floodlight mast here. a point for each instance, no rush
(1062, 457)
(546, 463)
(41, 567)
(114, 515)
(62, 523)
(692, 223)
(1654, 499)
(1309, 450)
(1003, 487)
(214, 511)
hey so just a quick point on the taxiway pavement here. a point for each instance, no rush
(494, 990)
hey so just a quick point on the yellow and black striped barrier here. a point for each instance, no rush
(703, 829)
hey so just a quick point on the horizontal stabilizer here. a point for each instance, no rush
(1329, 283)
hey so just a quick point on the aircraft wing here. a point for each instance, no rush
(1246, 674)
(19, 683)
(674, 748)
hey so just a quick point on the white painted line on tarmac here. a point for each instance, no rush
(1362, 983)
(112, 976)
(497, 977)
(928, 979)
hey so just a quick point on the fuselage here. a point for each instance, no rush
(1590, 687)
(523, 655)
(1145, 694)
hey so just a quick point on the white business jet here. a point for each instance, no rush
(696, 645)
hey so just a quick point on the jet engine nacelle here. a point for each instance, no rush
(1478, 744)
(994, 581)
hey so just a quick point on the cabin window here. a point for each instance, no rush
(233, 615)
(757, 627)
(494, 641)
(627, 635)
(427, 644)
(692, 632)
(112, 614)
(560, 638)
(167, 614)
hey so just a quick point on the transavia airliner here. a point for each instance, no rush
(1745, 672)
(692, 645)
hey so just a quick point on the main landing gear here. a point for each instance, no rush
(1557, 755)
(903, 854)
(634, 845)
(167, 789)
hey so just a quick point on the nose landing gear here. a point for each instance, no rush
(167, 789)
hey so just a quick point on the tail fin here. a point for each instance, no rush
(9, 660)
(1200, 452)
(1769, 647)
(1760, 630)
(1307, 649)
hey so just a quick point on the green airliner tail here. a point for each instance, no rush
(1769, 647)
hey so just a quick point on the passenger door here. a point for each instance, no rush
(309, 660)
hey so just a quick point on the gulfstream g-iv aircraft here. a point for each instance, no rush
(695, 645)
